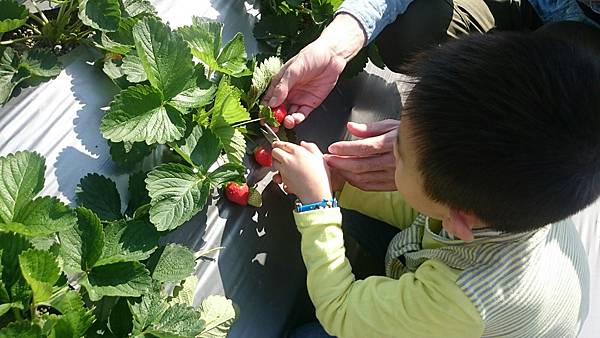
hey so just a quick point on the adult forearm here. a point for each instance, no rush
(345, 35)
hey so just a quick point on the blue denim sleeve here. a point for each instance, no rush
(560, 10)
(374, 15)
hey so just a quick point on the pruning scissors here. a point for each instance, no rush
(269, 134)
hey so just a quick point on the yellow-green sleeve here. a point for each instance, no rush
(388, 207)
(426, 303)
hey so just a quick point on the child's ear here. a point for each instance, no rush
(457, 223)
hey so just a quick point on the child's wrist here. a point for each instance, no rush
(315, 197)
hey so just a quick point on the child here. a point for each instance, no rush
(499, 143)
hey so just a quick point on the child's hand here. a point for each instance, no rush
(302, 170)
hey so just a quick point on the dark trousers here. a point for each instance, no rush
(428, 23)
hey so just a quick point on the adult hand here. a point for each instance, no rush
(302, 171)
(307, 78)
(369, 163)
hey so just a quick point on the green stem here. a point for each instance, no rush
(33, 28)
(37, 19)
(44, 18)
(17, 314)
(204, 253)
(182, 154)
(10, 42)
(61, 12)
(243, 123)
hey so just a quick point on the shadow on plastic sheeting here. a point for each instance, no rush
(265, 275)
(93, 90)
(71, 165)
(235, 18)
(261, 268)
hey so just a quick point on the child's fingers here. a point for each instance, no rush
(313, 148)
(280, 157)
(286, 146)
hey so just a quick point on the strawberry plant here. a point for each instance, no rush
(198, 111)
(287, 26)
(93, 270)
(30, 41)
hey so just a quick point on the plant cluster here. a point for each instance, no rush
(95, 270)
(287, 26)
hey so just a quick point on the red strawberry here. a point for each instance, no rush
(237, 193)
(263, 156)
(279, 112)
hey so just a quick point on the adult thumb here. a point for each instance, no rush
(363, 130)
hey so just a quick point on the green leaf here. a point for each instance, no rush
(41, 62)
(147, 310)
(120, 41)
(184, 293)
(266, 113)
(120, 320)
(204, 38)
(129, 154)
(262, 76)
(166, 58)
(125, 279)
(138, 195)
(12, 16)
(137, 7)
(218, 314)
(4, 308)
(356, 65)
(10, 73)
(227, 173)
(322, 10)
(21, 329)
(112, 69)
(203, 147)
(138, 115)
(75, 318)
(197, 96)
(41, 272)
(232, 59)
(21, 178)
(175, 264)
(42, 217)
(81, 246)
(232, 139)
(128, 241)
(103, 15)
(177, 193)
(11, 245)
(133, 69)
(178, 321)
(99, 194)
(227, 104)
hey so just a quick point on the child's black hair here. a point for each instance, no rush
(507, 126)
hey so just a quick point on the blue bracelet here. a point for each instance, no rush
(331, 203)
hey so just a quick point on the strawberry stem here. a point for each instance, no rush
(182, 154)
(243, 123)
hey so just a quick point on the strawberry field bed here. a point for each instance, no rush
(130, 162)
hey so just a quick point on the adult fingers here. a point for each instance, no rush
(365, 147)
(353, 164)
(370, 181)
(283, 82)
(363, 130)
